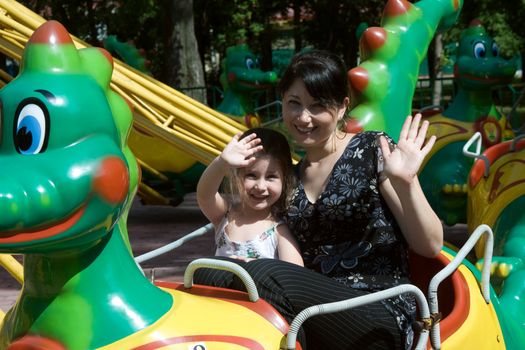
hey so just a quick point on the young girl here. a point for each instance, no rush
(248, 224)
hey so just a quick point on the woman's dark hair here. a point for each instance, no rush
(324, 74)
(275, 145)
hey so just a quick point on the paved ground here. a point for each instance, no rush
(151, 227)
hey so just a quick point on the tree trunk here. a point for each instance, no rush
(298, 39)
(437, 74)
(183, 67)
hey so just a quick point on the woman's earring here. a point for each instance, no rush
(334, 148)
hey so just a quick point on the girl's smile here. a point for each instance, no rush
(262, 184)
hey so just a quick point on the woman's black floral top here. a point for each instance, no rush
(349, 232)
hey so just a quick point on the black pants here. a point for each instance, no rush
(290, 289)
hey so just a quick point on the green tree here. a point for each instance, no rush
(92, 20)
(503, 19)
(333, 24)
(224, 23)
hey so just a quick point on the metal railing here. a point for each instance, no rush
(426, 309)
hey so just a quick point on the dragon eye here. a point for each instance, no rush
(495, 49)
(250, 63)
(479, 50)
(31, 127)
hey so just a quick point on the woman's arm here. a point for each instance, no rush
(236, 154)
(287, 246)
(419, 223)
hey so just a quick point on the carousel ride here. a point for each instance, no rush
(66, 195)
(478, 70)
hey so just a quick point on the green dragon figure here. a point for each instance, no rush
(64, 199)
(383, 84)
(127, 52)
(478, 69)
(65, 196)
(241, 77)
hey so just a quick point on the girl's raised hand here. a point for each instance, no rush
(238, 153)
(404, 160)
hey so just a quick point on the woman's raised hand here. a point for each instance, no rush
(404, 160)
(238, 153)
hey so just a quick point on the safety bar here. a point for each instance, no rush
(359, 301)
(253, 295)
(429, 107)
(276, 102)
(169, 247)
(272, 121)
(452, 266)
(515, 141)
(477, 154)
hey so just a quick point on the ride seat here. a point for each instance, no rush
(492, 153)
(453, 292)
(261, 307)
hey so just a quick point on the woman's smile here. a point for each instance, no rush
(304, 130)
(310, 122)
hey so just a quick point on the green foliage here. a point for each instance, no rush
(334, 24)
(226, 23)
(92, 20)
(324, 24)
(502, 19)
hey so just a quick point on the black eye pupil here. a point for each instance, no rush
(24, 139)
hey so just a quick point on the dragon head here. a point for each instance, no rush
(478, 63)
(242, 71)
(66, 173)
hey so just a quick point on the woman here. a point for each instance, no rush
(357, 209)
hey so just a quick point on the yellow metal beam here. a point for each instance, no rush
(12, 266)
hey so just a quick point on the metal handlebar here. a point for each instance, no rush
(359, 301)
(477, 154)
(168, 247)
(515, 141)
(452, 266)
(253, 295)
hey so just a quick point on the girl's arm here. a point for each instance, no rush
(236, 154)
(419, 223)
(211, 202)
(287, 246)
